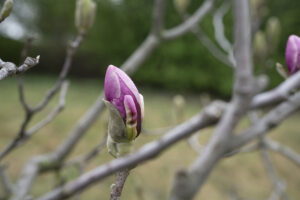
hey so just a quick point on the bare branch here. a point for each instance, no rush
(116, 189)
(130, 65)
(73, 46)
(6, 182)
(29, 112)
(9, 69)
(187, 183)
(283, 150)
(279, 186)
(269, 121)
(279, 94)
(21, 138)
(246, 149)
(213, 49)
(219, 26)
(181, 29)
(158, 17)
(209, 116)
(54, 113)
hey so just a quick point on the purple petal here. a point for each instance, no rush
(128, 83)
(112, 86)
(292, 53)
(117, 85)
(142, 107)
(131, 112)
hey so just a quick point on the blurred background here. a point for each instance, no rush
(179, 67)
(120, 27)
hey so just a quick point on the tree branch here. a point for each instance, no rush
(116, 189)
(9, 69)
(279, 186)
(8, 187)
(181, 29)
(209, 116)
(187, 183)
(30, 111)
(269, 121)
(277, 95)
(158, 17)
(284, 151)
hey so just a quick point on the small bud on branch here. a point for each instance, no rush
(6, 9)
(126, 109)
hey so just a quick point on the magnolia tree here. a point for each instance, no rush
(126, 107)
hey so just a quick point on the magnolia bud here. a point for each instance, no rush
(179, 106)
(126, 109)
(273, 32)
(6, 9)
(84, 15)
(282, 71)
(260, 45)
(181, 5)
(292, 54)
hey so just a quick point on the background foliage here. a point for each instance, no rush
(120, 26)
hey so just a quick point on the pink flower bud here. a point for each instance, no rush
(292, 54)
(122, 93)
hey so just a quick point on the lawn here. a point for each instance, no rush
(241, 175)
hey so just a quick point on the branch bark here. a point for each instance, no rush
(116, 189)
(9, 69)
(188, 182)
(208, 117)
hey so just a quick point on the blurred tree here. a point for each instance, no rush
(120, 26)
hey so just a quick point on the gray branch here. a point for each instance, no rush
(284, 151)
(187, 183)
(269, 121)
(22, 135)
(158, 17)
(8, 187)
(208, 117)
(279, 94)
(53, 113)
(116, 189)
(278, 185)
(16, 142)
(9, 69)
(181, 29)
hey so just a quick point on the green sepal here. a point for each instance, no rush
(131, 131)
(116, 126)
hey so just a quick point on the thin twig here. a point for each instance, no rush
(279, 190)
(284, 151)
(24, 135)
(116, 189)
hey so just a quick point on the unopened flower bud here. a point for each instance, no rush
(179, 106)
(6, 9)
(84, 15)
(126, 109)
(292, 54)
(260, 45)
(273, 32)
(282, 71)
(181, 5)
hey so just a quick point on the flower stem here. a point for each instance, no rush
(116, 189)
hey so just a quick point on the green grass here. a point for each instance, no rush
(243, 174)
